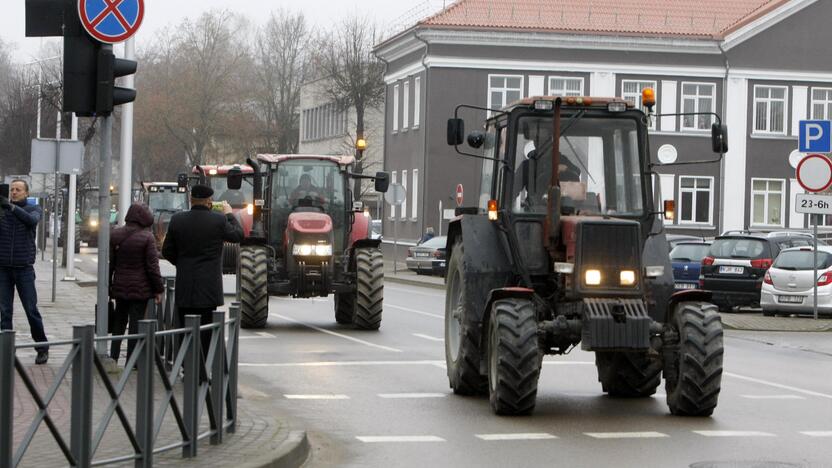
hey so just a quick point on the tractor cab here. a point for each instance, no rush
(86, 215)
(164, 200)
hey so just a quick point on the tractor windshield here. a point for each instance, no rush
(600, 166)
(309, 185)
(236, 198)
(89, 203)
(167, 199)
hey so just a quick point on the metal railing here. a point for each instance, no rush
(171, 355)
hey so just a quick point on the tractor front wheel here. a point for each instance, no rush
(628, 375)
(369, 293)
(254, 294)
(345, 308)
(514, 358)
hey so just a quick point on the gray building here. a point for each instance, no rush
(761, 64)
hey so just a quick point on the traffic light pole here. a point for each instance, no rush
(104, 172)
(126, 190)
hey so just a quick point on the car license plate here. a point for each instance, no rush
(685, 286)
(731, 270)
(422, 254)
(791, 299)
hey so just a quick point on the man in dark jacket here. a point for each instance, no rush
(194, 245)
(17, 255)
(134, 267)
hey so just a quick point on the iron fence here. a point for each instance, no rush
(171, 355)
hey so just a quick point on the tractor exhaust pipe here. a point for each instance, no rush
(551, 227)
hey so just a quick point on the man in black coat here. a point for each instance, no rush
(194, 245)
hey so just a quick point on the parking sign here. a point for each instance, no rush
(815, 136)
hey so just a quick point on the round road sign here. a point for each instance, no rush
(814, 173)
(395, 195)
(794, 158)
(111, 21)
(459, 195)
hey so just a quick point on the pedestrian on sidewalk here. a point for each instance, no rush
(194, 245)
(18, 226)
(134, 273)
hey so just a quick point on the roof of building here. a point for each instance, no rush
(712, 19)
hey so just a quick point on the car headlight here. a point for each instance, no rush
(592, 277)
(306, 250)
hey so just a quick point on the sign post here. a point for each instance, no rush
(395, 196)
(814, 173)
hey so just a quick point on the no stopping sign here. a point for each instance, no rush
(814, 173)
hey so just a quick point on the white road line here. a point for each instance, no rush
(412, 395)
(818, 433)
(773, 397)
(408, 291)
(777, 385)
(529, 436)
(339, 335)
(254, 337)
(414, 311)
(317, 397)
(342, 363)
(95, 259)
(78, 260)
(568, 363)
(426, 337)
(734, 434)
(265, 334)
(377, 439)
(626, 435)
(660, 395)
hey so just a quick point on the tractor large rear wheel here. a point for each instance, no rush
(693, 389)
(369, 294)
(254, 294)
(628, 375)
(514, 357)
(462, 351)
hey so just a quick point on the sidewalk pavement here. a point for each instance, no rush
(262, 439)
(750, 320)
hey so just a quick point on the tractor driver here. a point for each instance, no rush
(306, 189)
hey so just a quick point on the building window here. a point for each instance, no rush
(403, 213)
(417, 100)
(395, 108)
(631, 91)
(566, 86)
(767, 198)
(822, 103)
(698, 97)
(392, 207)
(414, 199)
(406, 106)
(696, 200)
(770, 109)
(503, 90)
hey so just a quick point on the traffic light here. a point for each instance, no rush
(80, 57)
(108, 94)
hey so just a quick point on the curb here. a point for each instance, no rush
(291, 453)
(413, 282)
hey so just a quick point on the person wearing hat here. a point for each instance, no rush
(194, 245)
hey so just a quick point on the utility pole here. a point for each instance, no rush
(126, 189)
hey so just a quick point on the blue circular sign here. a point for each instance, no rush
(111, 21)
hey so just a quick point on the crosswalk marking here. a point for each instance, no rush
(817, 433)
(773, 397)
(414, 311)
(734, 433)
(377, 439)
(625, 435)
(339, 335)
(342, 363)
(426, 337)
(528, 436)
(317, 397)
(412, 395)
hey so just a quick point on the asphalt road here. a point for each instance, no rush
(381, 399)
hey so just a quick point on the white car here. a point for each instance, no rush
(788, 284)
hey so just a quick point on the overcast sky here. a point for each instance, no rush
(161, 13)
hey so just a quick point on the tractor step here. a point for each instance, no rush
(615, 324)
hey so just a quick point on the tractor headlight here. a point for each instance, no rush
(307, 250)
(592, 277)
(627, 277)
(93, 223)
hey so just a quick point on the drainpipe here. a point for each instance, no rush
(722, 163)
(422, 122)
(386, 140)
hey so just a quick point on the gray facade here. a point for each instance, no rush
(754, 186)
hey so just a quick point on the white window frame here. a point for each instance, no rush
(696, 98)
(636, 98)
(827, 114)
(395, 108)
(393, 175)
(768, 110)
(783, 194)
(565, 78)
(414, 199)
(417, 100)
(403, 214)
(406, 106)
(695, 191)
(503, 90)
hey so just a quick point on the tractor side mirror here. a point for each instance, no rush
(235, 178)
(456, 131)
(719, 138)
(182, 179)
(476, 139)
(382, 182)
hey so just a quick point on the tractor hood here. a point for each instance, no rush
(309, 223)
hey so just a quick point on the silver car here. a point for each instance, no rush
(788, 285)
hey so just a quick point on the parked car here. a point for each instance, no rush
(674, 239)
(428, 257)
(736, 263)
(788, 286)
(686, 258)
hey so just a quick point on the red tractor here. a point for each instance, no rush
(307, 240)
(566, 248)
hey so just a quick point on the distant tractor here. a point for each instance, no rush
(308, 241)
(86, 215)
(164, 200)
(566, 248)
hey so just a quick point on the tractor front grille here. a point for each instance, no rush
(610, 247)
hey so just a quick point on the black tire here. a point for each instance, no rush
(514, 357)
(694, 390)
(345, 308)
(369, 289)
(769, 313)
(628, 375)
(254, 295)
(230, 258)
(462, 351)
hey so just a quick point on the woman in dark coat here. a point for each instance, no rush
(134, 270)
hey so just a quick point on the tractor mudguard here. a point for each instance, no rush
(691, 295)
(513, 292)
(372, 243)
(659, 290)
